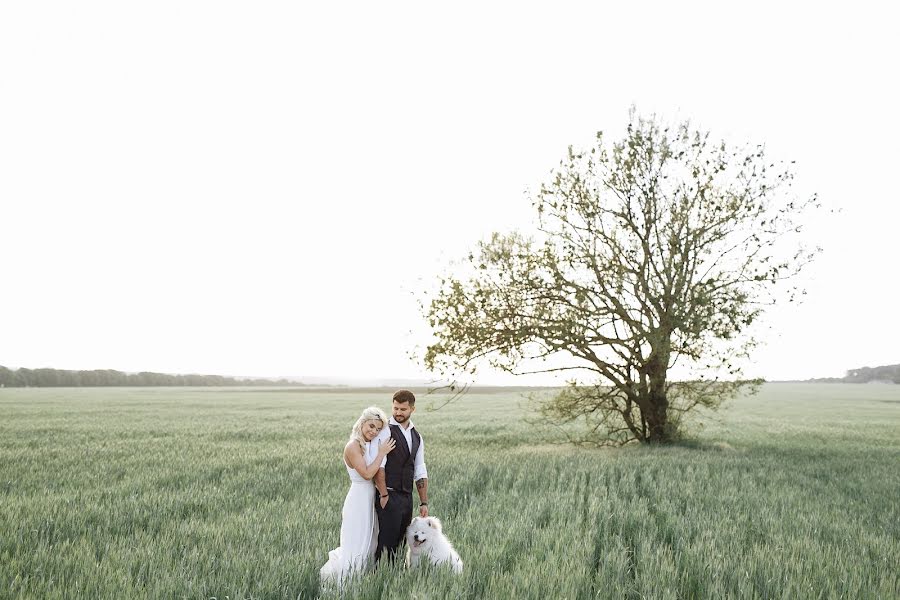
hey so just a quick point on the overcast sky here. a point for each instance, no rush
(261, 188)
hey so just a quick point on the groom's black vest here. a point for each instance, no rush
(401, 461)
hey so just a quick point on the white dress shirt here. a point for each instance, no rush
(371, 452)
(419, 471)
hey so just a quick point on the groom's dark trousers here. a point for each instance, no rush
(396, 516)
(393, 520)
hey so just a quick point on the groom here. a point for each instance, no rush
(394, 480)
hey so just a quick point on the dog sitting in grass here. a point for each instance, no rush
(426, 542)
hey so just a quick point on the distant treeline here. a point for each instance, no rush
(885, 374)
(109, 377)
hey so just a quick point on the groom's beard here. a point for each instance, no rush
(399, 419)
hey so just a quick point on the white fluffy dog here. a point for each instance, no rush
(426, 541)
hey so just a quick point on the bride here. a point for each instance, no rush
(359, 527)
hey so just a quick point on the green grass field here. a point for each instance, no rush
(236, 493)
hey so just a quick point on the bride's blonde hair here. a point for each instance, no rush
(373, 412)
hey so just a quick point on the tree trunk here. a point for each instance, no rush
(657, 404)
(657, 421)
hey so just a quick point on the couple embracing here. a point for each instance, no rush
(391, 454)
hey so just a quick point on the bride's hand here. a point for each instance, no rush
(386, 447)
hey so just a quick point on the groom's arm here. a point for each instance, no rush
(381, 486)
(421, 477)
(422, 488)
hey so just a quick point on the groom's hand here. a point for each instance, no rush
(423, 511)
(384, 500)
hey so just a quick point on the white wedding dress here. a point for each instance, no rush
(359, 529)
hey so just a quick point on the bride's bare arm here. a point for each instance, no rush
(354, 456)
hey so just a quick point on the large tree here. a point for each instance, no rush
(659, 249)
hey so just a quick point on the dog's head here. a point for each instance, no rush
(422, 531)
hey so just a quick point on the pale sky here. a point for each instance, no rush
(261, 188)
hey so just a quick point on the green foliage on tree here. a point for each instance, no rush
(659, 249)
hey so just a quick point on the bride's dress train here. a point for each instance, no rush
(359, 530)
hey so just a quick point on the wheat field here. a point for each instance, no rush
(236, 493)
